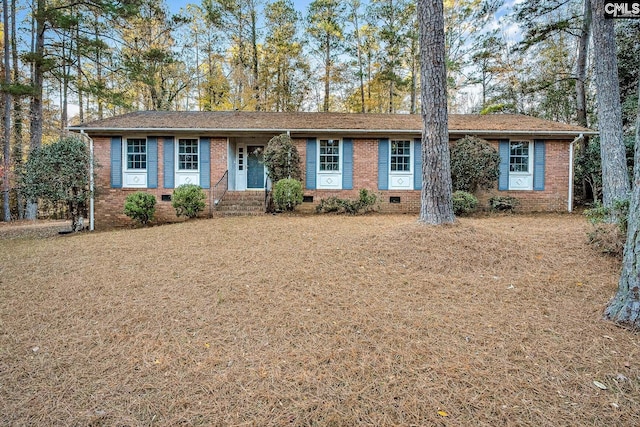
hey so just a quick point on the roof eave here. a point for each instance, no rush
(333, 130)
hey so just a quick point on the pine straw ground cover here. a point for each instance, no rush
(315, 320)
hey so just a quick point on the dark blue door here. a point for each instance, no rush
(255, 167)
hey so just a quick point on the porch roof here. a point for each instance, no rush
(303, 123)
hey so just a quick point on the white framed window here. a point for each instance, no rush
(521, 165)
(330, 153)
(400, 156)
(135, 163)
(188, 161)
(401, 164)
(329, 164)
(188, 154)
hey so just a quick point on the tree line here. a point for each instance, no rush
(70, 62)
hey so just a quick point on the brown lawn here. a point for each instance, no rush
(314, 320)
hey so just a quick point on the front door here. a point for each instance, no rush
(255, 167)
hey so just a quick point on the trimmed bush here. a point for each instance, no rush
(188, 200)
(140, 207)
(287, 194)
(503, 203)
(464, 203)
(475, 165)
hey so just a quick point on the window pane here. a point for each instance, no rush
(188, 154)
(136, 153)
(329, 159)
(519, 156)
(400, 156)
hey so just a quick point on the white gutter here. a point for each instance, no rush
(571, 149)
(325, 131)
(91, 183)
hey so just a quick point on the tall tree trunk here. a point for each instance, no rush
(437, 207)
(79, 77)
(615, 179)
(327, 73)
(35, 108)
(414, 78)
(254, 62)
(624, 308)
(581, 66)
(359, 56)
(17, 112)
(7, 115)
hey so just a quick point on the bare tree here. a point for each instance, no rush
(615, 179)
(624, 307)
(7, 114)
(437, 207)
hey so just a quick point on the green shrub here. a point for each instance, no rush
(140, 207)
(475, 164)
(287, 194)
(365, 203)
(503, 203)
(329, 205)
(188, 200)
(281, 159)
(464, 203)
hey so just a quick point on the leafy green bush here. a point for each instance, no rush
(464, 203)
(188, 200)
(281, 159)
(503, 203)
(140, 207)
(59, 173)
(475, 164)
(365, 203)
(287, 194)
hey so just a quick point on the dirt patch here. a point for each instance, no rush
(317, 320)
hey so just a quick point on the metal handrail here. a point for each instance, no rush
(266, 194)
(219, 190)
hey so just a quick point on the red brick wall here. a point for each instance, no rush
(556, 183)
(365, 165)
(110, 202)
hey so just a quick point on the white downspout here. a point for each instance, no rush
(91, 183)
(571, 172)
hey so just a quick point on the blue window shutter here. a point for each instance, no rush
(383, 164)
(205, 163)
(503, 180)
(116, 162)
(310, 183)
(417, 164)
(347, 164)
(152, 162)
(169, 162)
(539, 151)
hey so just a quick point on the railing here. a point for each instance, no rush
(267, 190)
(219, 190)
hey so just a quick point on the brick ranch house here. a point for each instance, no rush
(341, 153)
